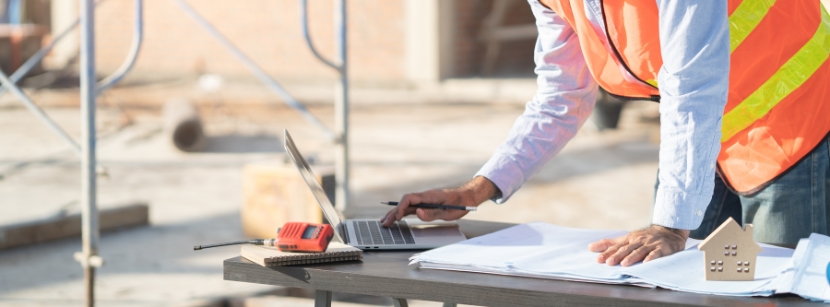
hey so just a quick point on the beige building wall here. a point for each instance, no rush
(267, 31)
(391, 42)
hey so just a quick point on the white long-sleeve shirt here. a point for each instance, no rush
(693, 82)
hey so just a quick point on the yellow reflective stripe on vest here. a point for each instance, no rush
(787, 79)
(745, 18)
(742, 21)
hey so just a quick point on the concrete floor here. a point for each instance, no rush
(601, 180)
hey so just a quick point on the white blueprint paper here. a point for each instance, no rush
(784, 283)
(547, 251)
(504, 249)
(810, 275)
(687, 273)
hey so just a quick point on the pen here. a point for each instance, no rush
(432, 206)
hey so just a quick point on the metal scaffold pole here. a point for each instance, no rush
(253, 67)
(89, 210)
(341, 98)
(340, 133)
(341, 110)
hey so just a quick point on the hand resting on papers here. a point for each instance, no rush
(640, 245)
(472, 193)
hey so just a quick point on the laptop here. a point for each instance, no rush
(368, 234)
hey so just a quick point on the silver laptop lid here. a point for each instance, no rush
(311, 180)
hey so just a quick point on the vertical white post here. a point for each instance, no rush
(430, 41)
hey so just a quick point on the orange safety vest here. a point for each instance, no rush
(778, 107)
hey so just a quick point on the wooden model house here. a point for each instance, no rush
(730, 252)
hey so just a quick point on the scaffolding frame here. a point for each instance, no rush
(339, 135)
(89, 91)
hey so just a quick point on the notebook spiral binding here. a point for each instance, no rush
(312, 258)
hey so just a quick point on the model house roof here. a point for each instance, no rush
(730, 233)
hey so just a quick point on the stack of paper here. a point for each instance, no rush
(547, 251)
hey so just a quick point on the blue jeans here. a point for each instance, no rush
(790, 208)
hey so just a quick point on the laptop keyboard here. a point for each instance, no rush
(372, 233)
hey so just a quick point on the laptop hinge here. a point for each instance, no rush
(345, 231)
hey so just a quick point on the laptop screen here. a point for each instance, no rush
(311, 180)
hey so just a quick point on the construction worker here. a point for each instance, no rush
(744, 92)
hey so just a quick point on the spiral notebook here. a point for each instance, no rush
(269, 256)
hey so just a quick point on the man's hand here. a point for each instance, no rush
(641, 245)
(472, 193)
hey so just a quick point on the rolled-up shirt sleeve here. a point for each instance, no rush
(564, 100)
(693, 82)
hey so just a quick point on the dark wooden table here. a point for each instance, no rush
(386, 273)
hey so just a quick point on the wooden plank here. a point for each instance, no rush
(60, 227)
(386, 274)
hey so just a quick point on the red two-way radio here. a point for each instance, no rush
(304, 237)
(292, 237)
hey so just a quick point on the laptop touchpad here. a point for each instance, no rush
(434, 230)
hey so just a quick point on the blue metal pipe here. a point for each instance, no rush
(135, 47)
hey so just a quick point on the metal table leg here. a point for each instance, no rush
(322, 298)
(400, 302)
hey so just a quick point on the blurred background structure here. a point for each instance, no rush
(434, 86)
(395, 43)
